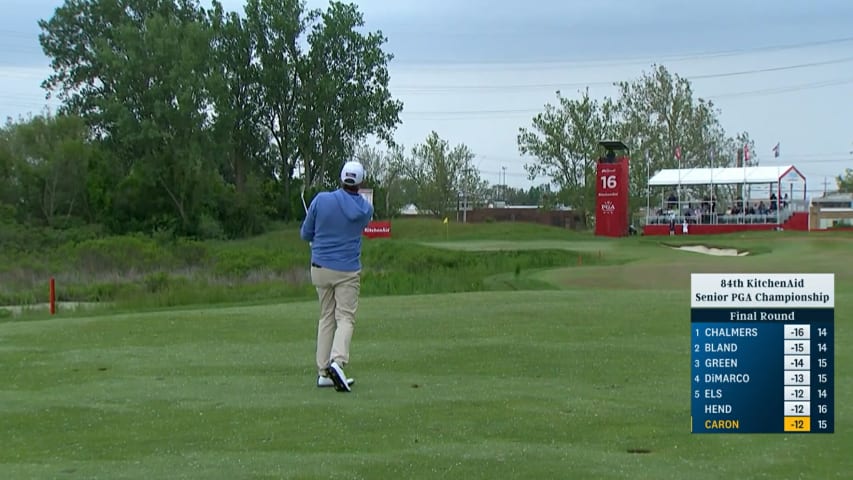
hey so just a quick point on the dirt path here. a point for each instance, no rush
(60, 306)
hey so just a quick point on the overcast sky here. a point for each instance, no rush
(475, 71)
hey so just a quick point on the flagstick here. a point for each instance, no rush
(776, 154)
(648, 187)
(678, 157)
(745, 195)
(711, 201)
(779, 193)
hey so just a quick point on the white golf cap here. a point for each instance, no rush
(352, 173)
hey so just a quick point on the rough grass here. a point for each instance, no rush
(424, 256)
(142, 272)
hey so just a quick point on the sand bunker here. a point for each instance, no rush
(719, 252)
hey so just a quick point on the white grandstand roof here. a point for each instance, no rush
(726, 176)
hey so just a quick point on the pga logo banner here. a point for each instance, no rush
(608, 207)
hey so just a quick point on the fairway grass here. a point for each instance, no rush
(556, 384)
(586, 378)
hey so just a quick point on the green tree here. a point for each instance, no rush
(440, 176)
(845, 181)
(346, 78)
(323, 87)
(656, 116)
(536, 195)
(564, 141)
(243, 141)
(744, 150)
(9, 185)
(384, 170)
(275, 31)
(44, 164)
(667, 127)
(243, 145)
(138, 71)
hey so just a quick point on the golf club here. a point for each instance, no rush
(302, 191)
(304, 205)
(302, 195)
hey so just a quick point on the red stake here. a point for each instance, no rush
(52, 296)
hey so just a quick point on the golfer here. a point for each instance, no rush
(333, 226)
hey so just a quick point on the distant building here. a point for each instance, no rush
(410, 209)
(835, 200)
(831, 210)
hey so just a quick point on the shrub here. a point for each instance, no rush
(121, 255)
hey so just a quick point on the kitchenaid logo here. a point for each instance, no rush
(376, 229)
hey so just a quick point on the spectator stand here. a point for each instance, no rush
(723, 200)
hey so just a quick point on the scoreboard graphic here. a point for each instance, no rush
(762, 353)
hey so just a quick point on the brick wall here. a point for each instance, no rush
(555, 218)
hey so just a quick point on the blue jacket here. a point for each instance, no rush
(334, 224)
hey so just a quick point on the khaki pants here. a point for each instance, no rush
(338, 292)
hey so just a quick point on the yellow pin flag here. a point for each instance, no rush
(445, 220)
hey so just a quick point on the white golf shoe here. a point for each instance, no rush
(338, 377)
(327, 382)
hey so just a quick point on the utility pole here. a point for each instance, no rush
(465, 172)
(465, 207)
(464, 201)
(825, 184)
(504, 182)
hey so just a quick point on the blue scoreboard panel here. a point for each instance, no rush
(762, 353)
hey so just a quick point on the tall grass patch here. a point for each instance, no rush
(139, 271)
(392, 267)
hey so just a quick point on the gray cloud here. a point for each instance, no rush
(479, 31)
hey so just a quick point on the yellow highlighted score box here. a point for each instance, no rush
(798, 424)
